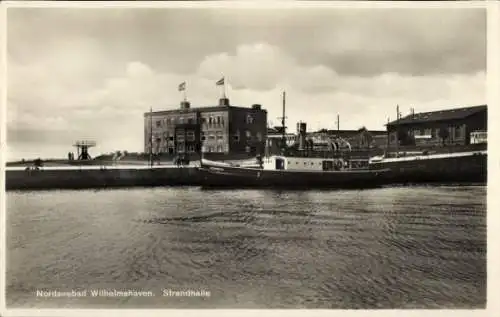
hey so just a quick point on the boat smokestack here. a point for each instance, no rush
(185, 104)
(301, 132)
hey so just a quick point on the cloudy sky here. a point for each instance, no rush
(78, 73)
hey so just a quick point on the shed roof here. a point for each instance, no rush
(441, 115)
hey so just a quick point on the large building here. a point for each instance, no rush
(223, 129)
(459, 126)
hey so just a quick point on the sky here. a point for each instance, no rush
(91, 73)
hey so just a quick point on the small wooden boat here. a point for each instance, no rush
(291, 172)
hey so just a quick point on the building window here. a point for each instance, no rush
(458, 132)
(180, 137)
(236, 136)
(203, 137)
(220, 136)
(247, 149)
(249, 119)
(190, 136)
(248, 134)
(158, 123)
(170, 138)
(218, 120)
(259, 136)
(181, 120)
(211, 136)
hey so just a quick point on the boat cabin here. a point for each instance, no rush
(311, 163)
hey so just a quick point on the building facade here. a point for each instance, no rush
(460, 126)
(223, 129)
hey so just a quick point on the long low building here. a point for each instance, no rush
(458, 126)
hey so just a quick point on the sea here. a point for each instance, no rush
(401, 247)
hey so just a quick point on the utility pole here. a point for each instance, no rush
(397, 131)
(151, 136)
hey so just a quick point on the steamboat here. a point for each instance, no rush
(295, 167)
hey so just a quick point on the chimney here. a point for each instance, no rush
(301, 131)
(224, 102)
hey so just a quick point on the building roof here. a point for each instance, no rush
(200, 109)
(348, 132)
(441, 115)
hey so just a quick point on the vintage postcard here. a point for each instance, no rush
(247, 155)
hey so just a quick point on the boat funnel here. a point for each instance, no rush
(301, 132)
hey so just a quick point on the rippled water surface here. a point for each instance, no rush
(419, 247)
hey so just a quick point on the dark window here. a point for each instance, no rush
(158, 123)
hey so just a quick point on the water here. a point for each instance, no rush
(420, 247)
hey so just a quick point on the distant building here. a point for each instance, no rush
(224, 129)
(459, 126)
(358, 139)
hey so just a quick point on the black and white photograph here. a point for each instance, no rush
(201, 155)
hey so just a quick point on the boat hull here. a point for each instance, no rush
(235, 177)
(471, 168)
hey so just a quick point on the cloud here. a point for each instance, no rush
(97, 82)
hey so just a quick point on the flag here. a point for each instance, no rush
(220, 82)
(182, 86)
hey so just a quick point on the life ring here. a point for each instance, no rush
(337, 165)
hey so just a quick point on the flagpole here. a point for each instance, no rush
(225, 93)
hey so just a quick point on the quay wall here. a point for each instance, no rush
(81, 178)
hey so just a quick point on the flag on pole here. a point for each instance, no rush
(182, 86)
(220, 82)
